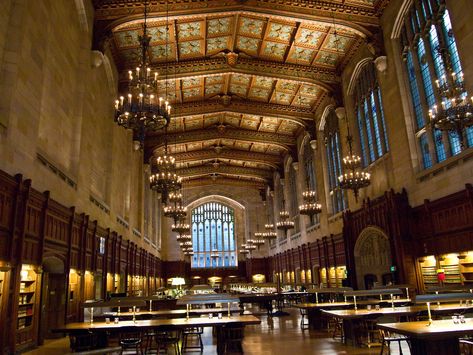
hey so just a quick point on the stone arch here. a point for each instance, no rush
(323, 118)
(356, 73)
(303, 144)
(53, 264)
(83, 21)
(372, 255)
(396, 32)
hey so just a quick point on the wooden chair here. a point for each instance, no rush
(164, 339)
(192, 333)
(83, 341)
(130, 341)
(389, 337)
(304, 316)
(466, 346)
(233, 336)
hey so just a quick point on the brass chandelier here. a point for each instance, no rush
(354, 178)
(284, 222)
(142, 110)
(455, 112)
(310, 206)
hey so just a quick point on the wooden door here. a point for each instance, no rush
(53, 304)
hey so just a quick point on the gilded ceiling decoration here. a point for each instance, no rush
(244, 78)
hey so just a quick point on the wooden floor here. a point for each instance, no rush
(274, 336)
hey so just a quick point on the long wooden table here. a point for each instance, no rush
(351, 316)
(314, 310)
(437, 337)
(171, 313)
(162, 324)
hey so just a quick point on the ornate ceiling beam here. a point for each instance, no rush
(295, 114)
(199, 181)
(237, 134)
(209, 154)
(353, 15)
(225, 169)
(321, 76)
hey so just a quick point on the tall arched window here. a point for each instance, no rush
(292, 180)
(213, 232)
(334, 165)
(370, 116)
(309, 173)
(426, 31)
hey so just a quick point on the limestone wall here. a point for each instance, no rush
(56, 121)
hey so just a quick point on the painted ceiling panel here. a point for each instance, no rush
(251, 26)
(219, 26)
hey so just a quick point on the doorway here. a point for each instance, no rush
(53, 297)
(372, 257)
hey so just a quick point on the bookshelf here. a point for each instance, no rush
(428, 266)
(451, 265)
(26, 322)
(2, 278)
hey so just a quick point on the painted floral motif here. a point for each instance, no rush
(190, 82)
(309, 90)
(303, 101)
(287, 86)
(283, 97)
(263, 82)
(275, 49)
(327, 58)
(127, 38)
(191, 92)
(238, 89)
(213, 89)
(189, 30)
(280, 31)
(250, 25)
(162, 51)
(191, 47)
(213, 79)
(218, 26)
(302, 54)
(267, 127)
(217, 43)
(309, 37)
(260, 93)
(249, 44)
(158, 34)
(243, 79)
(337, 43)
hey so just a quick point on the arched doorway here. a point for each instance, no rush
(53, 296)
(373, 257)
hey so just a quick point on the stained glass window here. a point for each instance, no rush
(213, 234)
(332, 147)
(422, 39)
(370, 116)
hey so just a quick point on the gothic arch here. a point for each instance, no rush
(323, 118)
(372, 255)
(356, 73)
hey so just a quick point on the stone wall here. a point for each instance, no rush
(56, 109)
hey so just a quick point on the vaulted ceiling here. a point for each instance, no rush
(244, 77)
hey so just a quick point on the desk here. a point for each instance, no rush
(351, 316)
(314, 311)
(170, 313)
(440, 337)
(263, 300)
(162, 324)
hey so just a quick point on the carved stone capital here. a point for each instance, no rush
(313, 144)
(340, 112)
(381, 63)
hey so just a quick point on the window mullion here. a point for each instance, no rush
(367, 101)
(379, 116)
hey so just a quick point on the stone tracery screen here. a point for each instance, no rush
(213, 233)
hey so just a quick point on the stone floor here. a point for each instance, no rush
(274, 336)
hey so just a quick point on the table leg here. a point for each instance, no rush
(220, 340)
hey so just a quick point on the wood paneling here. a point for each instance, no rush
(34, 227)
